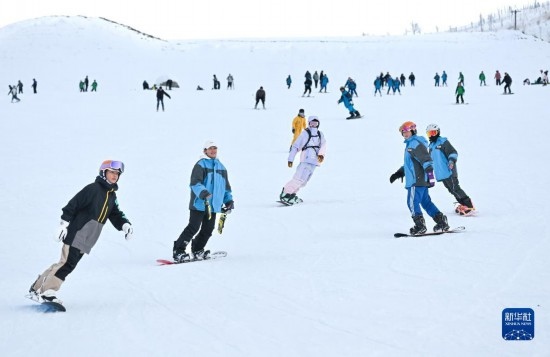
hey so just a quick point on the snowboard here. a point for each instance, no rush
(359, 117)
(49, 306)
(507, 93)
(290, 204)
(213, 255)
(452, 230)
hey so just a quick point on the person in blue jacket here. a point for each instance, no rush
(324, 82)
(288, 81)
(352, 87)
(444, 79)
(210, 194)
(377, 86)
(418, 173)
(444, 156)
(346, 99)
(436, 79)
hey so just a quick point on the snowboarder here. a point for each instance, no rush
(288, 81)
(436, 79)
(13, 92)
(352, 87)
(34, 85)
(298, 125)
(307, 87)
(216, 82)
(418, 173)
(260, 97)
(444, 79)
(507, 83)
(210, 194)
(346, 99)
(312, 143)
(94, 86)
(160, 97)
(459, 91)
(444, 157)
(324, 83)
(20, 87)
(82, 221)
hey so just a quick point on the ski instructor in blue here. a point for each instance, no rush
(210, 194)
(419, 176)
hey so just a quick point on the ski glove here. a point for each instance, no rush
(228, 207)
(290, 164)
(128, 231)
(397, 175)
(320, 158)
(431, 178)
(61, 232)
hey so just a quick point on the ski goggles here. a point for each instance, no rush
(431, 133)
(112, 165)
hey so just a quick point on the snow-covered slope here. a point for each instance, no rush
(322, 278)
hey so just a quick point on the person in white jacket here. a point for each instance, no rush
(312, 143)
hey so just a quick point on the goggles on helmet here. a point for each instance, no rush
(431, 133)
(112, 165)
(407, 126)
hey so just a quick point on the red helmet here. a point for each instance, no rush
(407, 126)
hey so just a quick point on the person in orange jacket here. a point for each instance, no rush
(298, 125)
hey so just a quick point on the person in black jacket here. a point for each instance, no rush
(81, 224)
(260, 97)
(508, 83)
(160, 97)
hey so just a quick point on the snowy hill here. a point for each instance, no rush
(322, 278)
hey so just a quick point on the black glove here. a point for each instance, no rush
(293, 130)
(228, 206)
(397, 175)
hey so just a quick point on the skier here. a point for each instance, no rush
(402, 79)
(418, 173)
(507, 83)
(210, 194)
(346, 99)
(436, 78)
(81, 224)
(459, 91)
(312, 143)
(396, 85)
(352, 86)
(230, 81)
(260, 97)
(497, 78)
(412, 78)
(316, 79)
(307, 87)
(482, 79)
(94, 86)
(324, 82)
(13, 92)
(444, 157)
(444, 79)
(20, 87)
(34, 84)
(86, 82)
(377, 86)
(288, 81)
(160, 97)
(298, 125)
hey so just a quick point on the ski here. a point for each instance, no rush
(452, 230)
(213, 255)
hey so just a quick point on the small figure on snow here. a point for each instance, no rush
(94, 86)
(307, 86)
(229, 81)
(210, 194)
(411, 79)
(13, 92)
(288, 81)
(482, 79)
(324, 82)
(498, 78)
(346, 99)
(444, 77)
(352, 87)
(34, 85)
(160, 97)
(82, 221)
(444, 157)
(145, 85)
(377, 86)
(298, 125)
(312, 143)
(418, 173)
(436, 79)
(507, 83)
(260, 97)
(459, 91)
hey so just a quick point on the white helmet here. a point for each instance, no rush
(432, 130)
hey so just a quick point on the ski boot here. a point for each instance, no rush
(357, 114)
(419, 225)
(441, 221)
(49, 295)
(289, 199)
(351, 115)
(179, 255)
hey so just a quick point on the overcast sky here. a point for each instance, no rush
(180, 19)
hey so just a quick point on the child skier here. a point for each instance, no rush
(418, 173)
(312, 143)
(444, 158)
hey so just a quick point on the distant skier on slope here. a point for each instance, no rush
(348, 103)
(299, 123)
(160, 97)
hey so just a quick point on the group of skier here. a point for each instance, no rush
(16, 89)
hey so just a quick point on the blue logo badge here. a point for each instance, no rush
(518, 324)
